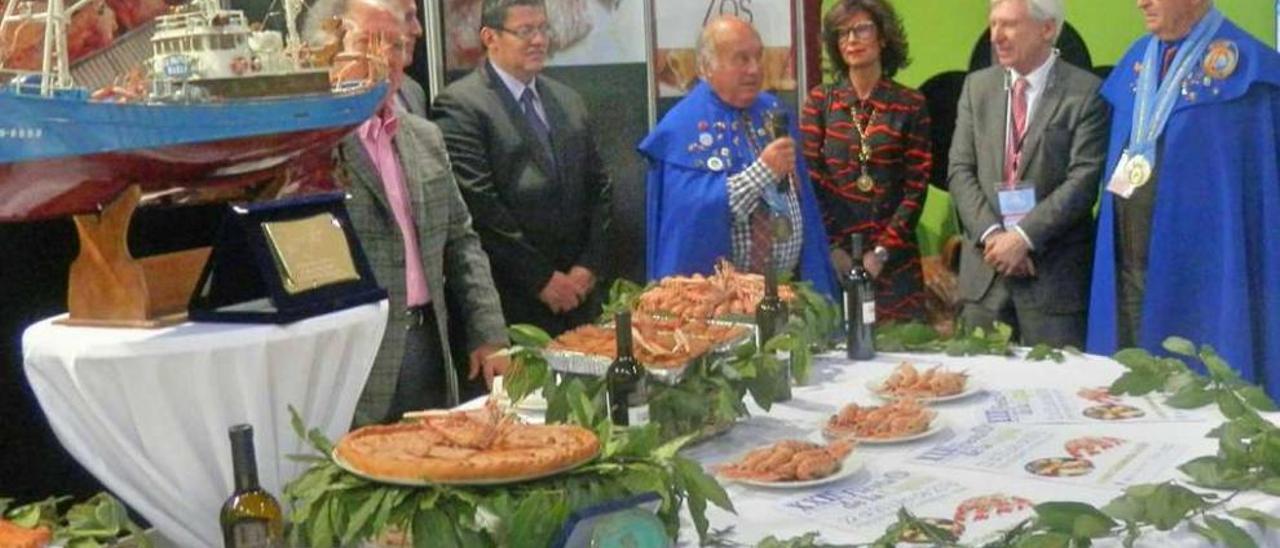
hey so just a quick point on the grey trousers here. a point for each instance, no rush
(421, 383)
(1030, 326)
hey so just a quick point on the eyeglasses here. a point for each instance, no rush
(527, 33)
(865, 30)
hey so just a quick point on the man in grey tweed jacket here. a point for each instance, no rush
(413, 368)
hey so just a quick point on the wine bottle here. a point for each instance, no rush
(859, 307)
(771, 319)
(626, 382)
(251, 517)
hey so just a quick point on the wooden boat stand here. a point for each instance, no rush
(108, 287)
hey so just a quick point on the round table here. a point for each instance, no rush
(147, 411)
(976, 466)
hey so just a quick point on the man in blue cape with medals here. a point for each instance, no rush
(1188, 243)
(721, 184)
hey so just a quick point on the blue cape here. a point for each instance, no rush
(1213, 273)
(691, 153)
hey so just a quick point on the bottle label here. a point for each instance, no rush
(869, 312)
(638, 415)
(251, 534)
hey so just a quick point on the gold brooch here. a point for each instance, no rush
(1221, 60)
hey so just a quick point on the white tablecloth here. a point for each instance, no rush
(147, 411)
(858, 508)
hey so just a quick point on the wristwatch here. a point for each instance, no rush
(881, 253)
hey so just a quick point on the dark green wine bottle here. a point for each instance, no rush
(626, 382)
(251, 517)
(859, 307)
(771, 319)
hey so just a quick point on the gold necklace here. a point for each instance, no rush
(865, 182)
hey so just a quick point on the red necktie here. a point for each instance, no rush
(1013, 145)
(761, 239)
(1165, 63)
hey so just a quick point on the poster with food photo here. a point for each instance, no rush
(975, 511)
(862, 509)
(585, 32)
(1071, 455)
(680, 21)
(1083, 406)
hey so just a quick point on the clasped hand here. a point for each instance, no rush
(1009, 254)
(565, 291)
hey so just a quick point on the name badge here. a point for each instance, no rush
(1016, 203)
(1120, 184)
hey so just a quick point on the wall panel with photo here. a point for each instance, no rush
(679, 22)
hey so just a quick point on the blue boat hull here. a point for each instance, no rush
(60, 157)
(34, 127)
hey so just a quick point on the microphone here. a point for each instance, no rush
(778, 122)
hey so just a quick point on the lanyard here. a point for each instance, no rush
(1155, 99)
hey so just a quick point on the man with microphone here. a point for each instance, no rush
(722, 180)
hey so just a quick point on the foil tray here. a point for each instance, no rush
(591, 365)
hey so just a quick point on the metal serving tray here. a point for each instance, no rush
(578, 363)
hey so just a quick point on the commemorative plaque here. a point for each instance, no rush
(283, 261)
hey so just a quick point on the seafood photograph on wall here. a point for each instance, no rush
(583, 32)
(680, 21)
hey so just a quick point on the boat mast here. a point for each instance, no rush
(55, 70)
(294, 43)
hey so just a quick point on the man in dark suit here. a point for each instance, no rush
(1025, 161)
(416, 232)
(529, 169)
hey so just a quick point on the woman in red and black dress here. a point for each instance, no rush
(866, 140)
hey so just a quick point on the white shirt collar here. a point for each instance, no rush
(516, 87)
(1039, 76)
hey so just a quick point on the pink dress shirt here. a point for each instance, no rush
(377, 136)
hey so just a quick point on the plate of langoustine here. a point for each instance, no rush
(793, 464)
(933, 385)
(898, 421)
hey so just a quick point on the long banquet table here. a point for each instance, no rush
(974, 469)
(1025, 411)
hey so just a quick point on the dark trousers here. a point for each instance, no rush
(421, 384)
(1030, 326)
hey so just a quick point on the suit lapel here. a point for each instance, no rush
(557, 121)
(408, 148)
(997, 113)
(1046, 107)
(360, 167)
(516, 113)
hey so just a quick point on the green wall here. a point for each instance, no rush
(942, 34)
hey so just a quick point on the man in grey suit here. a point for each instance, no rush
(1025, 162)
(415, 229)
(529, 169)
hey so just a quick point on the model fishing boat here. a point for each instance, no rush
(218, 103)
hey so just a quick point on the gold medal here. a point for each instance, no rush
(1139, 171)
(866, 183)
(781, 227)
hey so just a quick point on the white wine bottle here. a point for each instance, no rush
(251, 517)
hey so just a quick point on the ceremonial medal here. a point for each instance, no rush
(781, 227)
(706, 140)
(866, 183)
(714, 163)
(1221, 59)
(1138, 170)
